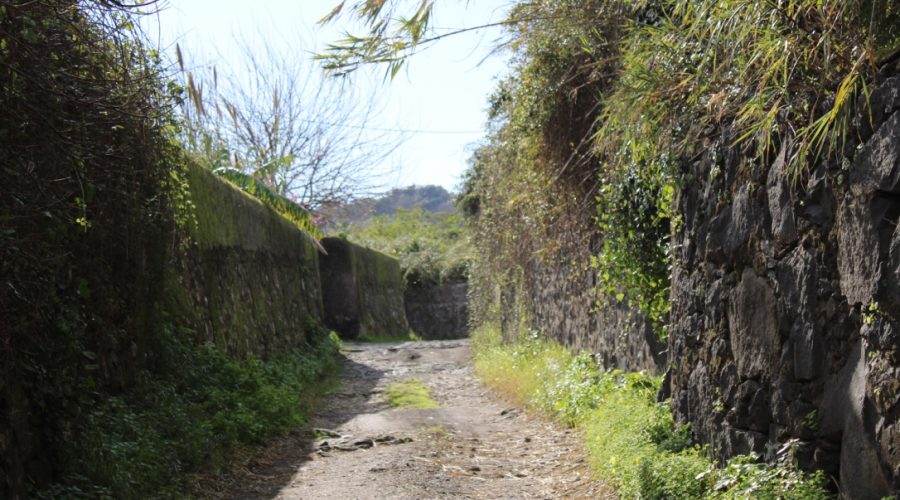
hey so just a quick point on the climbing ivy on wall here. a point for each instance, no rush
(92, 187)
(634, 217)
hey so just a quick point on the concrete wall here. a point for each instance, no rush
(362, 290)
(786, 305)
(242, 276)
(437, 312)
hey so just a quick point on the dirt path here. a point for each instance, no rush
(471, 447)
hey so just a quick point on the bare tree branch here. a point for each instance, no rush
(305, 136)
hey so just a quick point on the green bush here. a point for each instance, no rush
(674, 475)
(143, 443)
(745, 477)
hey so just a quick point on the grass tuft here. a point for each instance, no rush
(410, 393)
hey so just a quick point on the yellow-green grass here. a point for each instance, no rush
(631, 440)
(410, 393)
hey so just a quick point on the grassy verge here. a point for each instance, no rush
(632, 441)
(410, 393)
(191, 415)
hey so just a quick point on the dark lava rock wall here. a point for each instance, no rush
(786, 305)
(557, 295)
(362, 291)
(438, 312)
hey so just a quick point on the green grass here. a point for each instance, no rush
(437, 431)
(632, 441)
(410, 393)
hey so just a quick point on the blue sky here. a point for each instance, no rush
(441, 97)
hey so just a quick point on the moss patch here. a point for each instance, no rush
(410, 393)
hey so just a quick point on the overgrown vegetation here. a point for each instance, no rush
(432, 248)
(190, 416)
(608, 99)
(298, 214)
(632, 440)
(622, 92)
(89, 157)
(102, 395)
(410, 393)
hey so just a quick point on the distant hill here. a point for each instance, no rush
(428, 198)
(434, 199)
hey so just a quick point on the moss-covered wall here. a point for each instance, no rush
(242, 276)
(363, 291)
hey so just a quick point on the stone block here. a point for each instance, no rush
(752, 326)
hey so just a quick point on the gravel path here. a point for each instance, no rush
(473, 446)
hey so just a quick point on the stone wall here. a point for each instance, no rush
(568, 307)
(786, 305)
(362, 290)
(557, 295)
(242, 276)
(437, 312)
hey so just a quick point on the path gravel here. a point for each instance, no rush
(473, 446)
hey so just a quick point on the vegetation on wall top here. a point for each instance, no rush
(433, 248)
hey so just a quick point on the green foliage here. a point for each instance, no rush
(92, 188)
(298, 215)
(634, 260)
(632, 441)
(389, 40)
(194, 412)
(432, 248)
(771, 71)
(745, 477)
